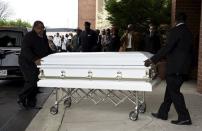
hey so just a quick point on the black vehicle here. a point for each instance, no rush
(10, 46)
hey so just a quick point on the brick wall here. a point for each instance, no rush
(200, 59)
(86, 12)
(173, 12)
(193, 10)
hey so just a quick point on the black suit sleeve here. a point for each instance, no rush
(27, 50)
(171, 42)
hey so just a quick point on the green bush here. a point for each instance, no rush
(16, 23)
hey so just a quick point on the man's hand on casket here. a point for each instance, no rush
(38, 62)
(147, 62)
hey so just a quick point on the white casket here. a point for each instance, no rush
(112, 71)
(117, 71)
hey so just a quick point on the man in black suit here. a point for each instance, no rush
(34, 47)
(88, 39)
(178, 51)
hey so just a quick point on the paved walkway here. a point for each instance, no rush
(86, 116)
(12, 117)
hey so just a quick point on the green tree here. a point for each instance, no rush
(138, 12)
(16, 23)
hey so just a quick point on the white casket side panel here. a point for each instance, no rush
(96, 72)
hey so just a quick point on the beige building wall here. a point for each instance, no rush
(92, 11)
(86, 12)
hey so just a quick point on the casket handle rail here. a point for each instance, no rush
(41, 75)
(119, 75)
(151, 72)
(63, 74)
(90, 74)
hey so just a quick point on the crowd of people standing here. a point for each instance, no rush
(106, 40)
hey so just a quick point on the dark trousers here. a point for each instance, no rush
(173, 95)
(30, 73)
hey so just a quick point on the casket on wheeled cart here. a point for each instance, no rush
(113, 76)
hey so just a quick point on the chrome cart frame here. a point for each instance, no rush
(97, 96)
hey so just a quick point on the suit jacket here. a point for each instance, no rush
(178, 51)
(34, 47)
(151, 43)
(88, 40)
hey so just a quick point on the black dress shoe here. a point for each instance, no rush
(156, 115)
(181, 122)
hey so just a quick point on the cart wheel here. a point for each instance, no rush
(54, 110)
(142, 107)
(133, 116)
(68, 102)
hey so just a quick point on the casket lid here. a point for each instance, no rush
(97, 58)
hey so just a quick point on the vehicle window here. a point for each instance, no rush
(10, 38)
